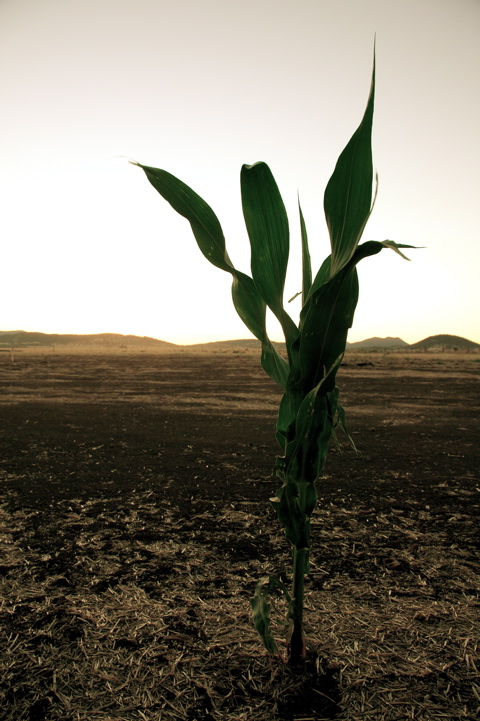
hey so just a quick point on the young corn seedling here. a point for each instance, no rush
(310, 408)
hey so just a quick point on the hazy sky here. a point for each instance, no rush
(199, 87)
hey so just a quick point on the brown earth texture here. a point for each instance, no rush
(135, 524)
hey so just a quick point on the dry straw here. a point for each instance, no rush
(396, 639)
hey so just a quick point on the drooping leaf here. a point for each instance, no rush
(261, 609)
(205, 224)
(252, 310)
(208, 233)
(248, 303)
(396, 247)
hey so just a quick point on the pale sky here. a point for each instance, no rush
(199, 87)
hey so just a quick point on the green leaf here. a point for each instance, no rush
(261, 609)
(251, 308)
(396, 246)
(323, 275)
(348, 195)
(267, 226)
(306, 262)
(326, 319)
(248, 303)
(205, 224)
(310, 432)
(342, 420)
(208, 233)
(309, 409)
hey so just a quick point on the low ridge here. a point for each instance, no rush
(445, 342)
(21, 338)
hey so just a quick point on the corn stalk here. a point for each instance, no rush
(310, 408)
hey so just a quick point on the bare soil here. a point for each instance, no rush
(135, 522)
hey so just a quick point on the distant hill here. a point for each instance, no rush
(240, 343)
(254, 343)
(445, 342)
(378, 343)
(21, 338)
(24, 339)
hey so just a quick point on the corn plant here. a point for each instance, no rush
(310, 409)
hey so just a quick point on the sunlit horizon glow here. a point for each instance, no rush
(199, 89)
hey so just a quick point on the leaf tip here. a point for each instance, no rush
(129, 160)
(252, 165)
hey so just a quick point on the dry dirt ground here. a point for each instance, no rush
(134, 524)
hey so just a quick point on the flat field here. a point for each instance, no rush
(135, 522)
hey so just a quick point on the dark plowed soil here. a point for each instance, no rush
(135, 491)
